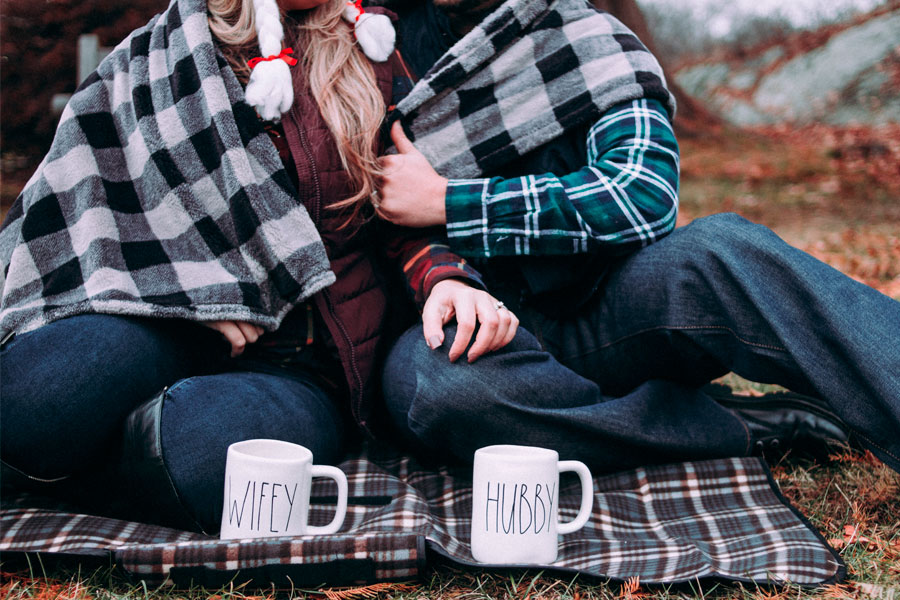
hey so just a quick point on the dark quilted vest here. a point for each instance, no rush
(354, 308)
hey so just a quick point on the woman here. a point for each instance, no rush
(170, 215)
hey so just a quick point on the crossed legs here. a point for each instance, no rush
(719, 295)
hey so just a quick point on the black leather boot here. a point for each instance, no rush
(142, 471)
(785, 421)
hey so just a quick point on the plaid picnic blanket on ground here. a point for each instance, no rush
(665, 524)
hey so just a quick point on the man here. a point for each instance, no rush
(624, 319)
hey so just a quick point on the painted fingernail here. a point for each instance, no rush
(434, 341)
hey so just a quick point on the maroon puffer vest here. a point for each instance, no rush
(354, 307)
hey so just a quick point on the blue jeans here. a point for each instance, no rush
(616, 384)
(68, 387)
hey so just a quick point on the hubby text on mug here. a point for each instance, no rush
(515, 513)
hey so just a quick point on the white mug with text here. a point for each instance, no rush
(267, 487)
(515, 510)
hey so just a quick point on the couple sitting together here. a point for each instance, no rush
(265, 219)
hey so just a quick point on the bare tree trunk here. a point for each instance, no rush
(693, 118)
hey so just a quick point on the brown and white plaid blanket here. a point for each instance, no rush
(665, 524)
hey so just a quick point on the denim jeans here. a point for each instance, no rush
(616, 383)
(68, 387)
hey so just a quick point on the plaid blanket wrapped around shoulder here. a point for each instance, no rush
(161, 196)
(528, 73)
(673, 523)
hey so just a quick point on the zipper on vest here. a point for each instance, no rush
(315, 213)
(354, 367)
(316, 208)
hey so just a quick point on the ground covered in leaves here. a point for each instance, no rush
(832, 191)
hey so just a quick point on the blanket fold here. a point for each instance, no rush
(161, 196)
(531, 71)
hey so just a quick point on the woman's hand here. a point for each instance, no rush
(237, 333)
(452, 297)
(412, 193)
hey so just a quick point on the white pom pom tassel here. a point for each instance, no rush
(270, 89)
(375, 33)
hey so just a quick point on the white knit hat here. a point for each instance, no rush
(270, 89)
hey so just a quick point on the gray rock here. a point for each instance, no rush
(767, 58)
(840, 82)
(703, 79)
(864, 102)
(743, 80)
(812, 77)
(742, 113)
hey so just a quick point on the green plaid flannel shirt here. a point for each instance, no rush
(624, 198)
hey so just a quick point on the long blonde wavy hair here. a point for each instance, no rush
(340, 78)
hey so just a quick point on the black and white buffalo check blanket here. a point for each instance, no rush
(161, 196)
(532, 70)
(674, 523)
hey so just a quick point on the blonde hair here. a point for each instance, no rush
(340, 77)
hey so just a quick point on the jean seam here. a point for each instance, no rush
(678, 328)
(749, 447)
(411, 421)
(162, 456)
(868, 439)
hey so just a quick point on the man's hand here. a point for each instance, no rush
(412, 193)
(452, 297)
(237, 333)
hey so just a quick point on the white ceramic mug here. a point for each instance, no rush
(515, 511)
(267, 486)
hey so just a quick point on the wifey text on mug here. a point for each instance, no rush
(260, 499)
(267, 487)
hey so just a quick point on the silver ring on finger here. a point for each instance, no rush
(499, 304)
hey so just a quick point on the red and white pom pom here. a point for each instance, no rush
(270, 89)
(375, 33)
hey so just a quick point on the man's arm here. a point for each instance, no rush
(625, 197)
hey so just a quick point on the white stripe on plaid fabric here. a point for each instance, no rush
(718, 518)
(532, 70)
(161, 195)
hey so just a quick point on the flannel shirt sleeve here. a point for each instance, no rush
(425, 259)
(624, 198)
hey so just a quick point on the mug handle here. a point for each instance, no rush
(341, 511)
(587, 496)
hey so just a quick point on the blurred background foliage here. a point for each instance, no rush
(37, 44)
